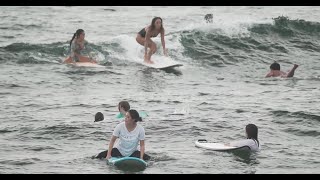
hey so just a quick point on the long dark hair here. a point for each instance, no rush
(153, 23)
(124, 104)
(135, 115)
(78, 32)
(252, 132)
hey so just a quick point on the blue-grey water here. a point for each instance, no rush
(47, 108)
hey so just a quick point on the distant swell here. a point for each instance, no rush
(284, 36)
(263, 43)
(299, 132)
(299, 114)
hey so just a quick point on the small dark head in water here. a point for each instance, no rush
(275, 66)
(208, 18)
(99, 117)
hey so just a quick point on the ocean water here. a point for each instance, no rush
(47, 108)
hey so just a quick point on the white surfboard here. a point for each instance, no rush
(87, 64)
(160, 62)
(68, 61)
(217, 146)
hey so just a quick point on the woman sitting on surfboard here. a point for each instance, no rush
(145, 35)
(251, 141)
(130, 135)
(78, 47)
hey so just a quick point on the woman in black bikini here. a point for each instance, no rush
(145, 35)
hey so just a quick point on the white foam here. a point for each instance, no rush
(134, 52)
(229, 25)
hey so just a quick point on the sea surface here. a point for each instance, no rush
(47, 108)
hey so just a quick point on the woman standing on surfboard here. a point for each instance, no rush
(130, 135)
(144, 38)
(78, 47)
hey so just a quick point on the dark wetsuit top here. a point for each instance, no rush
(143, 33)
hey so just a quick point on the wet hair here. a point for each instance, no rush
(153, 23)
(98, 117)
(125, 105)
(208, 18)
(135, 115)
(78, 32)
(275, 66)
(252, 132)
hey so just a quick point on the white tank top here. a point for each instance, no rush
(253, 144)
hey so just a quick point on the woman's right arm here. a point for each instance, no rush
(111, 143)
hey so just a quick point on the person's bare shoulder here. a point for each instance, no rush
(269, 74)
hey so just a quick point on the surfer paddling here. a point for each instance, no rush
(144, 38)
(275, 71)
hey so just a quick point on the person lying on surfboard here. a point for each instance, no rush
(130, 135)
(78, 48)
(251, 141)
(275, 71)
(144, 38)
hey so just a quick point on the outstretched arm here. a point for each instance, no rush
(291, 72)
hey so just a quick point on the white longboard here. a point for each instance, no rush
(81, 64)
(160, 62)
(217, 146)
(87, 64)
